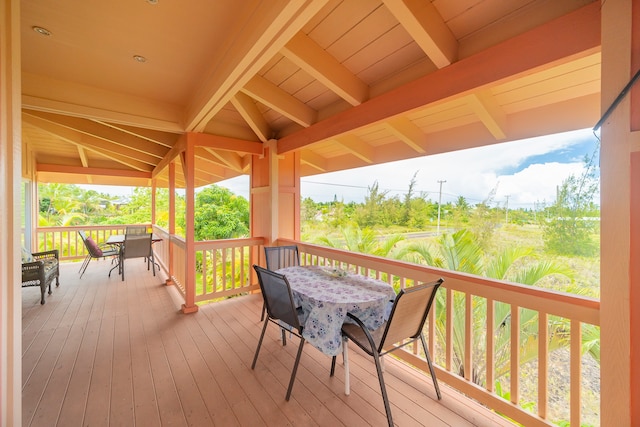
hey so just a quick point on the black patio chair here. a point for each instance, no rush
(281, 311)
(94, 251)
(407, 318)
(278, 257)
(137, 246)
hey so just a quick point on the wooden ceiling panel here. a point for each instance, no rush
(377, 23)
(342, 18)
(387, 67)
(379, 48)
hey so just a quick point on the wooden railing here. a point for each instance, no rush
(68, 241)
(223, 269)
(456, 315)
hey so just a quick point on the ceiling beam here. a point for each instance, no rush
(425, 25)
(166, 139)
(107, 133)
(489, 112)
(72, 99)
(314, 160)
(43, 167)
(357, 147)
(132, 158)
(317, 62)
(225, 143)
(225, 158)
(272, 96)
(407, 132)
(562, 40)
(249, 111)
(267, 29)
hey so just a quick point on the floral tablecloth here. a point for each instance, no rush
(326, 295)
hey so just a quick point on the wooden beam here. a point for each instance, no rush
(73, 99)
(569, 37)
(225, 143)
(107, 133)
(489, 112)
(314, 160)
(178, 148)
(130, 158)
(261, 36)
(249, 111)
(229, 159)
(308, 55)
(43, 167)
(272, 96)
(407, 132)
(357, 147)
(167, 139)
(425, 25)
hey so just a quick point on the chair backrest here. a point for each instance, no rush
(136, 229)
(136, 245)
(90, 245)
(281, 256)
(409, 312)
(278, 297)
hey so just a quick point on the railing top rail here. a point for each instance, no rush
(582, 308)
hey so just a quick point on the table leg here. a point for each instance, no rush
(345, 361)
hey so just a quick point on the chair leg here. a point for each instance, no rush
(255, 357)
(333, 366)
(345, 362)
(264, 310)
(431, 370)
(383, 389)
(295, 368)
(84, 265)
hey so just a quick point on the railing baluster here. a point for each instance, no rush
(576, 372)
(468, 337)
(449, 329)
(515, 354)
(543, 363)
(490, 351)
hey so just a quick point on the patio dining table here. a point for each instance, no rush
(327, 294)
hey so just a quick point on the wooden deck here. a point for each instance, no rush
(105, 352)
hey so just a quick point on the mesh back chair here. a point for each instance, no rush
(136, 229)
(278, 257)
(94, 251)
(281, 311)
(139, 229)
(407, 318)
(136, 246)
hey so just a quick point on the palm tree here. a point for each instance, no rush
(461, 252)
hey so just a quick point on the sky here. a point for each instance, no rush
(524, 174)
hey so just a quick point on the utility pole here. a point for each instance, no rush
(439, 203)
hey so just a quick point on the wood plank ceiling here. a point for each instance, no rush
(347, 83)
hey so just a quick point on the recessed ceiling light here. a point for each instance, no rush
(139, 58)
(41, 30)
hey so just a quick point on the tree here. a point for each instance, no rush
(220, 214)
(574, 217)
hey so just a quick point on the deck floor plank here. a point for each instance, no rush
(103, 352)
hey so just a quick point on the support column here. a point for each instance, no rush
(618, 329)
(10, 178)
(172, 217)
(188, 167)
(275, 195)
